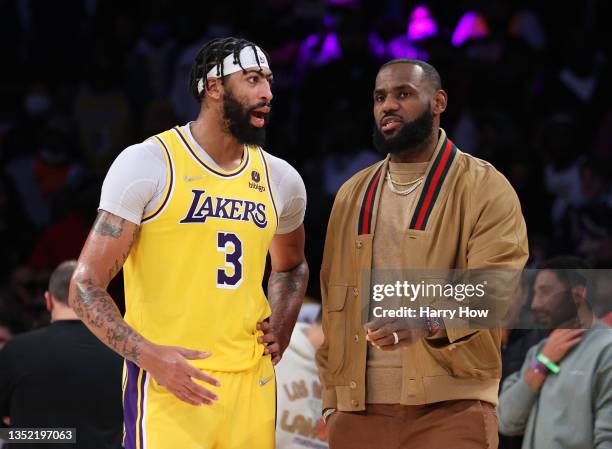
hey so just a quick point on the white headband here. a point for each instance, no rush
(249, 57)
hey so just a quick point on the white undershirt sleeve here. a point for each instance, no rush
(290, 193)
(135, 182)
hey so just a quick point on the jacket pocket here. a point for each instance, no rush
(476, 356)
(336, 326)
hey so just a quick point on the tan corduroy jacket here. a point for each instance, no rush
(467, 216)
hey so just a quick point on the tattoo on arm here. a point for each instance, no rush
(285, 293)
(94, 305)
(113, 227)
(108, 227)
(97, 309)
(116, 267)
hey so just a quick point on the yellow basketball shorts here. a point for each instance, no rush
(243, 416)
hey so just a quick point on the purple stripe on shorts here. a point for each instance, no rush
(130, 405)
(142, 411)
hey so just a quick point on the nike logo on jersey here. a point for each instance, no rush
(262, 382)
(204, 207)
(193, 178)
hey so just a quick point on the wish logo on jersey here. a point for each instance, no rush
(204, 207)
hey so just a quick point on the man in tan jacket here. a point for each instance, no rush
(427, 205)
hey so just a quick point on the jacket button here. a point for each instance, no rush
(359, 244)
(356, 291)
(356, 338)
(354, 403)
(353, 385)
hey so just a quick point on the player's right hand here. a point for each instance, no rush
(169, 367)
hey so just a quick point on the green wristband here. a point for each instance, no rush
(553, 367)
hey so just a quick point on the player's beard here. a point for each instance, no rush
(237, 118)
(412, 135)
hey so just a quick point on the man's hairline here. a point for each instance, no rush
(423, 75)
(414, 64)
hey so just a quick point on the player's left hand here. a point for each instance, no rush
(270, 339)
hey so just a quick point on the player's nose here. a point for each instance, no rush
(266, 92)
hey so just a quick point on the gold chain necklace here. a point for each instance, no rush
(413, 185)
(403, 184)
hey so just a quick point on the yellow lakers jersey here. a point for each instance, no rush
(194, 275)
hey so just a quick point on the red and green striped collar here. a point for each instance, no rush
(433, 184)
(364, 226)
(429, 194)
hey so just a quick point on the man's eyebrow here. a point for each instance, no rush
(396, 87)
(258, 72)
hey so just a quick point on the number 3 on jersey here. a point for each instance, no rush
(229, 277)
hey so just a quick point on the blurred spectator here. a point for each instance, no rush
(148, 67)
(158, 117)
(518, 336)
(29, 287)
(182, 101)
(559, 146)
(38, 177)
(524, 173)
(344, 153)
(525, 24)
(14, 231)
(101, 110)
(603, 303)
(562, 395)
(63, 376)
(587, 227)
(580, 76)
(11, 322)
(74, 212)
(310, 310)
(299, 422)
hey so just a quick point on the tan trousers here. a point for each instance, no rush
(465, 424)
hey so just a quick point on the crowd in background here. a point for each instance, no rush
(528, 91)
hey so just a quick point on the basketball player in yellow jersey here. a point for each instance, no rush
(191, 214)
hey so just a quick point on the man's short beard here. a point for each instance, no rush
(237, 118)
(564, 312)
(412, 135)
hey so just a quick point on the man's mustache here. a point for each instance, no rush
(261, 104)
(390, 115)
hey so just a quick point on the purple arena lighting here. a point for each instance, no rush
(421, 24)
(471, 26)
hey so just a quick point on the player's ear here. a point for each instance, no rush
(214, 88)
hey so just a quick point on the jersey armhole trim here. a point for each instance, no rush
(169, 184)
(269, 182)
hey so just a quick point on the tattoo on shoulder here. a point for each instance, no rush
(105, 227)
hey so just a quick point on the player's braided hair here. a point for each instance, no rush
(213, 53)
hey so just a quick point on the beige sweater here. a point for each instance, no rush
(384, 368)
